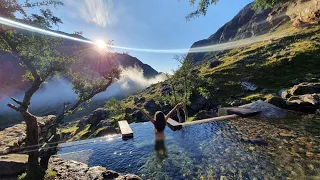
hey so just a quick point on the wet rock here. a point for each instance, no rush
(215, 63)
(307, 103)
(267, 110)
(277, 101)
(305, 88)
(13, 164)
(109, 174)
(198, 103)
(247, 86)
(283, 134)
(68, 169)
(283, 93)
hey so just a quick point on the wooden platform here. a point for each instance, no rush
(173, 125)
(126, 131)
(242, 112)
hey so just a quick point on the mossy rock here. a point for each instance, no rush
(277, 101)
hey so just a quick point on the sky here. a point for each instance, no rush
(147, 24)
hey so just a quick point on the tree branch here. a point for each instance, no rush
(16, 101)
(14, 107)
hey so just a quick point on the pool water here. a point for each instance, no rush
(204, 151)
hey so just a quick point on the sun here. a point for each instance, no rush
(101, 44)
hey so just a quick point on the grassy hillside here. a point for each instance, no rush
(271, 65)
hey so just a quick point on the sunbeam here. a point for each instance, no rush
(208, 48)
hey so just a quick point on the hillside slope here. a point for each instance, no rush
(287, 55)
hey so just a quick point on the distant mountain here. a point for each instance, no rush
(249, 23)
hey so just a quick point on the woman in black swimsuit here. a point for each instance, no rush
(159, 122)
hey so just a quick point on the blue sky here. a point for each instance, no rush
(147, 24)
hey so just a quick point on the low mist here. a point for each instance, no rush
(53, 94)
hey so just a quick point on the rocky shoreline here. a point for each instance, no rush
(14, 165)
(69, 169)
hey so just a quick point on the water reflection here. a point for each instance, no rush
(160, 149)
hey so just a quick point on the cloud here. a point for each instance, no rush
(95, 11)
(53, 94)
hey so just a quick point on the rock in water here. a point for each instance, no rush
(267, 110)
(13, 164)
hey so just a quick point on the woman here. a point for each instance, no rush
(159, 122)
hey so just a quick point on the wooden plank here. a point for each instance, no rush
(173, 125)
(221, 118)
(243, 112)
(126, 131)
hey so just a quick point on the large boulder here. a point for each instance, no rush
(307, 103)
(96, 116)
(267, 110)
(151, 105)
(305, 88)
(198, 103)
(277, 101)
(13, 164)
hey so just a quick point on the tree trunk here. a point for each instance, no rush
(34, 170)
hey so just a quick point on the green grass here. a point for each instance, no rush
(82, 134)
(49, 175)
(254, 97)
(72, 129)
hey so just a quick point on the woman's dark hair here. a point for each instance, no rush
(160, 119)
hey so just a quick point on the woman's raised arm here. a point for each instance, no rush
(172, 110)
(148, 116)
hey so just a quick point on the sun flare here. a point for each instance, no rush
(101, 44)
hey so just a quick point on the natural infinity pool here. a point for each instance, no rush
(205, 151)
